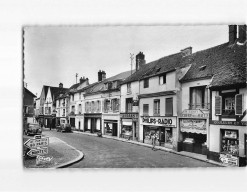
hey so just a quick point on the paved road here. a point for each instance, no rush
(108, 153)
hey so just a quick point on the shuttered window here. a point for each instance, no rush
(218, 105)
(239, 104)
(156, 107)
(145, 109)
(169, 106)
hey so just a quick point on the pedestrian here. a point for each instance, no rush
(153, 138)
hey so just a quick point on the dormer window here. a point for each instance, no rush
(106, 86)
(110, 85)
(128, 88)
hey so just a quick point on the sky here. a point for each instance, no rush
(54, 54)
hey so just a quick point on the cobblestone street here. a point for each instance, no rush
(108, 153)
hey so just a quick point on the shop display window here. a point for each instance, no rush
(127, 130)
(108, 128)
(168, 135)
(230, 142)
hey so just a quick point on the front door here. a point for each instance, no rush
(114, 129)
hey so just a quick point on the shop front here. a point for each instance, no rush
(228, 142)
(163, 127)
(193, 126)
(92, 123)
(129, 125)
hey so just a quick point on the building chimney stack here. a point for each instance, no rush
(140, 60)
(81, 80)
(60, 85)
(232, 34)
(242, 33)
(186, 51)
(103, 75)
(99, 76)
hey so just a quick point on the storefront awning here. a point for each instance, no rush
(194, 131)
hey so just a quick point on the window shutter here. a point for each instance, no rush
(218, 105)
(169, 106)
(239, 104)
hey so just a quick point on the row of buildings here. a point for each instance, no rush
(194, 102)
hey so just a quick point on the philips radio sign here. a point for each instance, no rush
(159, 121)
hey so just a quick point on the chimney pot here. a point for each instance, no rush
(60, 85)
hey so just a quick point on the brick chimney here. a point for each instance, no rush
(81, 80)
(140, 60)
(103, 75)
(60, 85)
(186, 51)
(242, 33)
(232, 34)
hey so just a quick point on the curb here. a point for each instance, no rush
(158, 148)
(80, 157)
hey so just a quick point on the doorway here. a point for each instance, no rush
(79, 125)
(114, 129)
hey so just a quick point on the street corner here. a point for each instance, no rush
(57, 154)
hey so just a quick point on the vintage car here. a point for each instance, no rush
(32, 129)
(64, 128)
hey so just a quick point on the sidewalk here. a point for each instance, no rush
(61, 153)
(182, 153)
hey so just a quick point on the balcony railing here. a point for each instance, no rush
(199, 106)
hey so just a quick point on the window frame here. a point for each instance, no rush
(146, 113)
(163, 77)
(146, 83)
(166, 107)
(156, 107)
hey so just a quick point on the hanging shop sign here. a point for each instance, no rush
(194, 114)
(229, 159)
(193, 126)
(159, 121)
(235, 123)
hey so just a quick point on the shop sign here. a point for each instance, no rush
(159, 121)
(129, 115)
(229, 159)
(234, 123)
(194, 114)
(193, 125)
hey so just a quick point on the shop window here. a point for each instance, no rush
(129, 104)
(146, 83)
(162, 79)
(157, 107)
(198, 98)
(230, 142)
(145, 109)
(63, 112)
(168, 135)
(169, 107)
(128, 88)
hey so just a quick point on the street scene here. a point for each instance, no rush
(134, 97)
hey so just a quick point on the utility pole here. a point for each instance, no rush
(76, 75)
(131, 60)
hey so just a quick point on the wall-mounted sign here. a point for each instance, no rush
(129, 115)
(235, 123)
(159, 121)
(194, 114)
(193, 126)
(231, 134)
(229, 159)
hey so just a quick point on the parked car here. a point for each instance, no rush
(32, 129)
(64, 128)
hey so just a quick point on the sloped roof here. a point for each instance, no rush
(99, 86)
(225, 64)
(29, 92)
(162, 65)
(55, 91)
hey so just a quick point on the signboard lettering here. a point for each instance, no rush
(37, 145)
(194, 114)
(159, 121)
(38, 151)
(129, 115)
(193, 125)
(235, 123)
